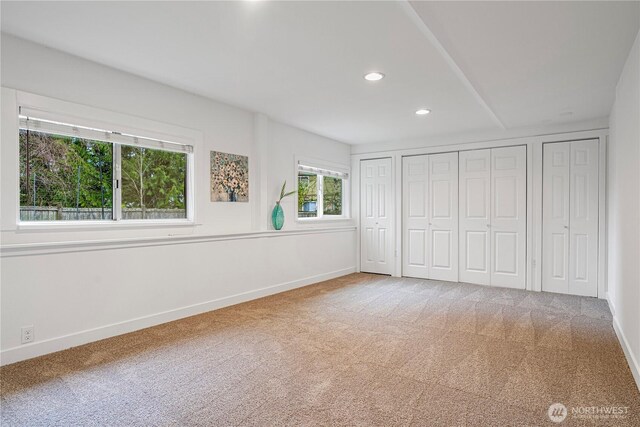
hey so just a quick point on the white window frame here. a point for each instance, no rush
(322, 169)
(119, 135)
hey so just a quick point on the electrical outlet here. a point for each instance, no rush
(27, 334)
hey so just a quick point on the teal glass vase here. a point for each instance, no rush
(277, 216)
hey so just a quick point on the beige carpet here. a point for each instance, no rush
(358, 350)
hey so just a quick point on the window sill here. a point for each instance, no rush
(323, 219)
(101, 225)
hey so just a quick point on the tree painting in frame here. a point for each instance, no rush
(229, 177)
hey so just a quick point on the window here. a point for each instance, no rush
(321, 192)
(307, 195)
(75, 173)
(153, 183)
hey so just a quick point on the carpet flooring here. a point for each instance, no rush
(358, 350)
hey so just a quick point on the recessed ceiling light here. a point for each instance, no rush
(374, 76)
(422, 112)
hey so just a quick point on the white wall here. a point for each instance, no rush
(36, 69)
(624, 209)
(286, 144)
(80, 292)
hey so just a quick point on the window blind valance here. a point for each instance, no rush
(322, 171)
(65, 129)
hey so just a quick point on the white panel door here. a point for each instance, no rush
(415, 221)
(508, 216)
(442, 239)
(555, 217)
(583, 221)
(376, 213)
(430, 216)
(570, 218)
(475, 187)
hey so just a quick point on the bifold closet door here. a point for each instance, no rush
(570, 218)
(475, 219)
(493, 222)
(376, 211)
(430, 216)
(415, 221)
(508, 216)
(555, 216)
(583, 219)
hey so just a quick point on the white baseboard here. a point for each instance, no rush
(631, 359)
(611, 307)
(52, 345)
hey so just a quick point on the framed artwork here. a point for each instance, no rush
(229, 177)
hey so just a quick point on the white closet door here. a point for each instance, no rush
(570, 218)
(415, 216)
(555, 217)
(442, 237)
(376, 211)
(475, 177)
(508, 216)
(583, 221)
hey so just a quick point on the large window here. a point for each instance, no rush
(321, 192)
(75, 173)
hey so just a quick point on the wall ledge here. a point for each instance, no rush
(42, 248)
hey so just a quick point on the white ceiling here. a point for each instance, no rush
(480, 66)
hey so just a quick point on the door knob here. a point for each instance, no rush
(566, 226)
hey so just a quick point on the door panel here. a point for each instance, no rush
(508, 216)
(417, 248)
(415, 213)
(382, 246)
(506, 244)
(570, 218)
(581, 249)
(376, 238)
(417, 191)
(382, 200)
(430, 216)
(441, 249)
(559, 261)
(583, 219)
(369, 242)
(475, 175)
(476, 251)
(443, 218)
(368, 201)
(441, 199)
(555, 217)
(477, 197)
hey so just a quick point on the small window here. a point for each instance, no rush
(321, 192)
(74, 173)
